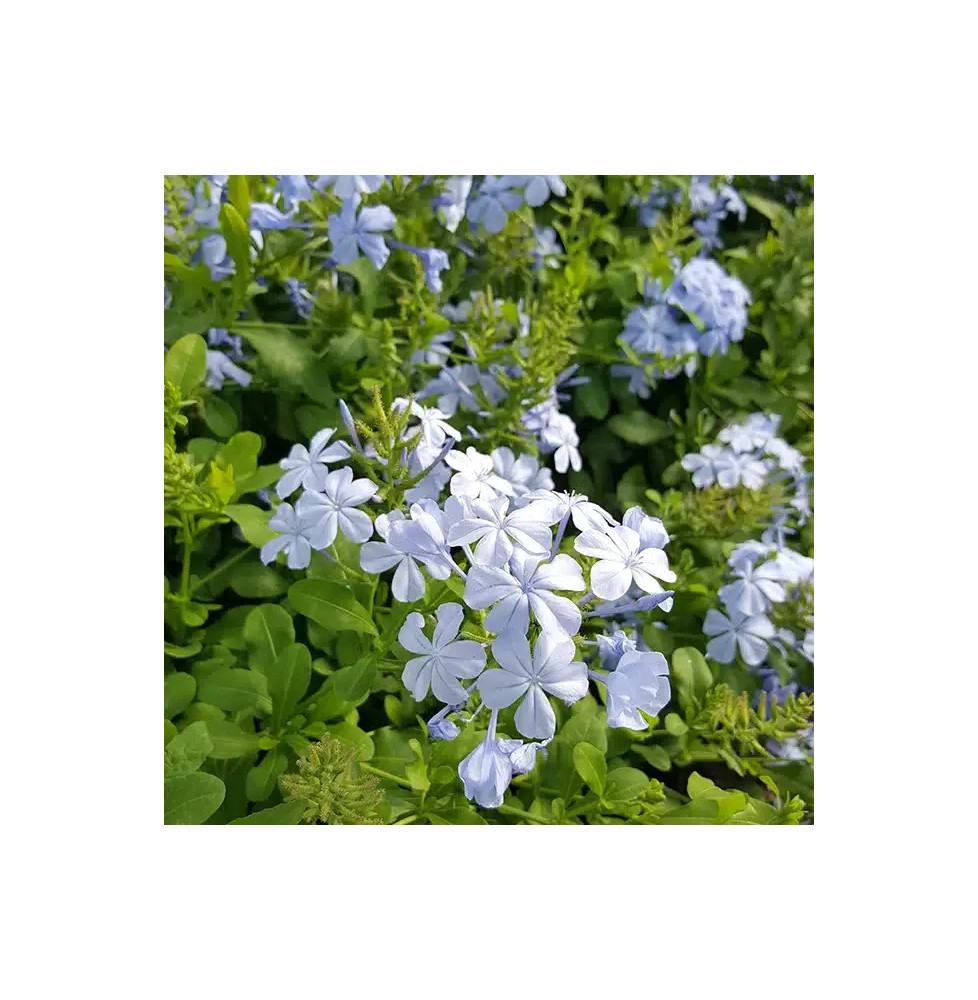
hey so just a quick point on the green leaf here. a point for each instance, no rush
(235, 231)
(625, 784)
(590, 764)
(261, 779)
(284, 354)
(285, 814)
(656, 756)
(263, 477)
(186, 751)
(638, 427)
(586, 727)
(268, 630)
(236, 690)
(240, 454)
(354, 682)
(256, 580)
(674, 724)
(185, 364)
(458, 816)
(239, 195)
(356, 738)
(253, 522)
(330, 605)
(691, 673)
(230, 740)
(178, 693)
(189, 799)
(219, 415)
(593, 399)
(288, 679)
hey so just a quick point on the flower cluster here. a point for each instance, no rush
(500, 530)
(762, 574)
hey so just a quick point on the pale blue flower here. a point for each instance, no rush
(265, 216)
(351, 233)
(450, 204)
(546, 248)
(475, 478)
(220, 367)
(702, 465)
(296, 537)
(377, 557)
(300, 298)
(537, 187)
(488, 770)
(640, 681)
(440, 728)
(560, 437)
(494, 202)
(652, 532)
(214, 253)
(703, 289)
(336, 507)
(527, 586)
(349, 186)
(524, 758)
(524, 474)
(436, 351)
(423, 536)
(583, 512)
(219, 337)
(498, 530)
(611, 648)
(622, 561)
(755, 432)
(733, 469)
(443, 659)
(626, 607)
(294, 189)
(755, 588)
(307, 467)
(434, 261)
(550, 670)
(749, 634)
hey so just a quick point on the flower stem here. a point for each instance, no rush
(227, 564)
(511, 811)
(386, 775)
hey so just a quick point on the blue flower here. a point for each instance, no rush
(377, 557)
(336, 507)
(220, 367)
(351, 233)
(622, 561)
(294, 189)
(703, 289)
(749, 634)
(640, 681)
(551, 669)
(495, 201)
(295, 538)
(265, 216)
(451, 202)
(537, 187)
(546, 247)
(434, 260)
(307, 467)
(214, 253)
(219, 337)
(488, 770)
(443, 659)
(611, 648)
(299, 297)
(348, 186)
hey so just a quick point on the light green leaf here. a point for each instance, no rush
(691, 673)
(354, 736)
(189, 799)
(285, 814)
(284, 354)
(230, 740)
(253, 522)
(186, 751)
(590, 764)
(240, 454)
(353, 683)
(330, 605)
(185, 363)
(178, 693)
(220, 417)
(625, 784)
(288, 679)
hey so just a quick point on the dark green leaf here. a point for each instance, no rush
(178, 693)
(189, 799)
(288, 679)
(236, 690)
(186, 751)
(330, 605)
(268, 630)
(285, 814)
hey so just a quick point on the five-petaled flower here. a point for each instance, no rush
(748, 633)
(551, 669)
(307, 467)
(351, 233)
(638, 682)
(475, 478)
(443, 659)
(336, 507)
(498, 530)
(378, 557)
(622, 561)
(297, 537)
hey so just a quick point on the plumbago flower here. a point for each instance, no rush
(348, 186)
(443, 659)
(527, 586)
(378, 557)
(336, 507)
(756, 587)
(639, 681)
(551, 669)
(352, 234)
(524, 473)
(749, 634)
(475, 478)
(622, 561)
(306, 467)
(560, 437)
(499, 530)
(495, 200)
(297, 537)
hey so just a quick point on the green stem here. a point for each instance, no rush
(386, 775)
(188, 544)
(349, 571)
(512, 811)
(407, 819)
